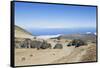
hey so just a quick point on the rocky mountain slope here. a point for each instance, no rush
(22, 33)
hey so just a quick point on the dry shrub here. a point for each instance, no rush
(23, 58)
(31, 55)
(53, 53)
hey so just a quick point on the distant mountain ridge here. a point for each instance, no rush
(84, 36)
(80, 36)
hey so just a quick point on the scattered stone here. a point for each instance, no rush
(58, 46)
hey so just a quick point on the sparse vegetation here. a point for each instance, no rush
(45, 45)
(31, 55)
(90, 54)
(53, 53)
(93, 41)
(23, 58)
(77, 43)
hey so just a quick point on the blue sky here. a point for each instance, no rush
(34, 15)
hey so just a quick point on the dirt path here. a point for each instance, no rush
(50, 56)
(33, 56)
(74, 56)
(80, 54)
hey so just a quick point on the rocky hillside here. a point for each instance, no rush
(22, 33)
